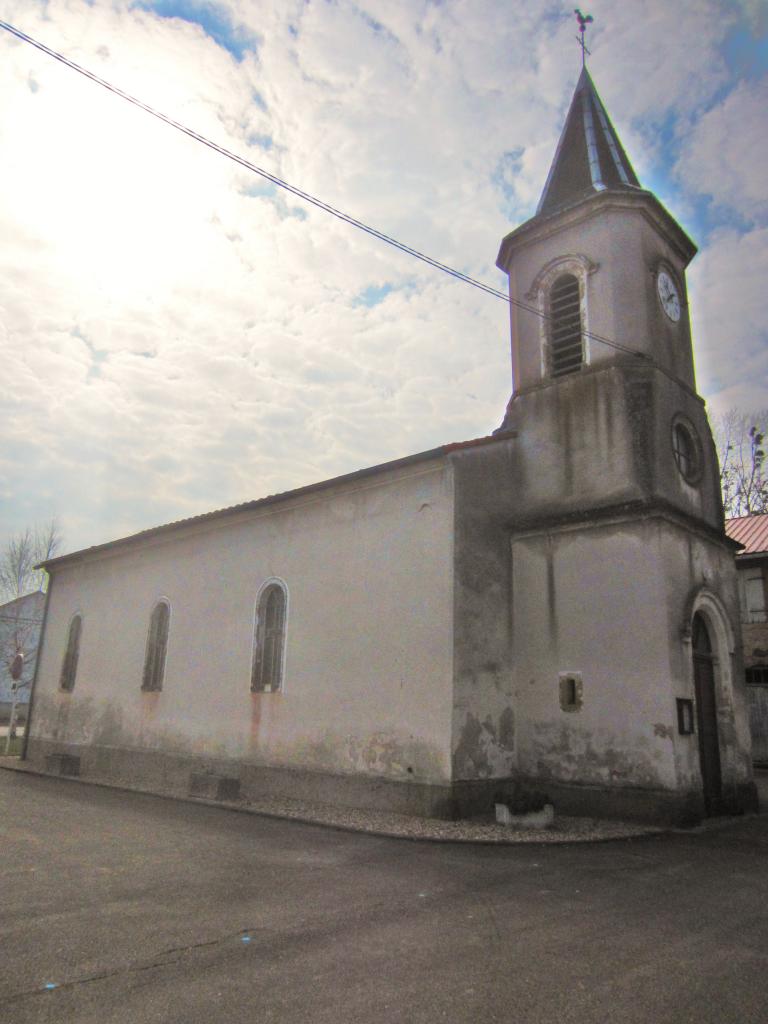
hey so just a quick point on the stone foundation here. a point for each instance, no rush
(240, 781)
(233, 781)
(622, 803)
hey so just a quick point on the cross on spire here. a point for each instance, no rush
(583, 20)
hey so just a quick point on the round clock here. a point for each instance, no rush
(670, 300)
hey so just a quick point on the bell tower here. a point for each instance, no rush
(612, 510)
(599, 314)
(596, 228)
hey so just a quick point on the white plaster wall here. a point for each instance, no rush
(591, 600)
(368, 668)
(626, 241)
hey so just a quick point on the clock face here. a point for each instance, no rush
(670, 300)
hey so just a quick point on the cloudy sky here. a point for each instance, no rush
(177, 335)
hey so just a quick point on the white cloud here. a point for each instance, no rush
(725, 156)
(180, 336)
(727, 286)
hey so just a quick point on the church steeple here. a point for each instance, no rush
(589, 157)
(597, 275)
(602, 360)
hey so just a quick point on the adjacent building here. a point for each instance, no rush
(752, 565)
(20, 624)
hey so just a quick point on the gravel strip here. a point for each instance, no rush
(476, 830)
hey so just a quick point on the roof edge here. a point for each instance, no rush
(751, 532)
(583, 207)
(83, 554)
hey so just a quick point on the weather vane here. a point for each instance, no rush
(583, 20)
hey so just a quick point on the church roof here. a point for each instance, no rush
(751, 532)
(589, 157)
(271, 499)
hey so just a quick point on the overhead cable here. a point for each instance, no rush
(294, 190)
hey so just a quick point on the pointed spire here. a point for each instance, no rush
(589, 157)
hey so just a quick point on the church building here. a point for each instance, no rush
(551, 608)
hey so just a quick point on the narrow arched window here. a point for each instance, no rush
(566, 348)
(157, 646)
(71, 655)
(269, 640)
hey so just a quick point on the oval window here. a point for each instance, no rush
(685, 448)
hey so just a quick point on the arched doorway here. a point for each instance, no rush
(706, 715)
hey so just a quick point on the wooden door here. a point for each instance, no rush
(706, 716)
(757, 693)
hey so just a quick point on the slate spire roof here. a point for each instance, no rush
(589, 156)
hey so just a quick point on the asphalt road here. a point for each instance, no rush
(140, 909)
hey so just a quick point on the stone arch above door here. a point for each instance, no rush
(709, 606)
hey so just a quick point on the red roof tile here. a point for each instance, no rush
(751, 531)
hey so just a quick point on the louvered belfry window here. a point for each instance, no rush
(157, 646)
(71, 655)
(269, 640)
(566, 350)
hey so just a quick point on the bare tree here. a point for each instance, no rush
(19, 556)
(740, 440)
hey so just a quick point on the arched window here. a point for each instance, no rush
(269, 640)
(157, 646)
(565, 338)
(72, 653)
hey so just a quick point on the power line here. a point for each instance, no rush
(300, 193)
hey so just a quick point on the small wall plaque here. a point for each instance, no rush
(571, 691)
(684, 716)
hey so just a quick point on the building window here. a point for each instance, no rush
(71, 655)
(269, 639)
(757, 675)
(754, 592)
(685, 449)
(157, 647)
(566, 348)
